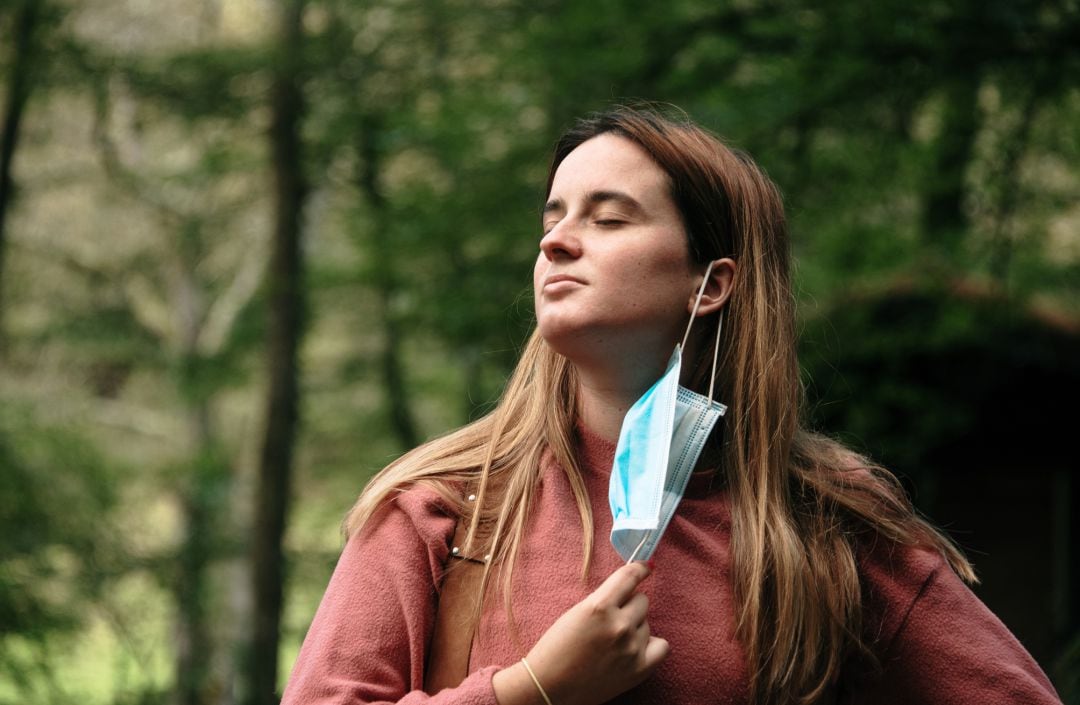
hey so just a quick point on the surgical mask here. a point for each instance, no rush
(660, 441)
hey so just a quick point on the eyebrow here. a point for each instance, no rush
(596, 198)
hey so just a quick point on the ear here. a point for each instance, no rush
(717, 290)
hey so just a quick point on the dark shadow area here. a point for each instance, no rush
(971, 401)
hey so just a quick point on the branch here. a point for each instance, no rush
(221, 317)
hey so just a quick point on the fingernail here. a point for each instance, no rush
(652, 564)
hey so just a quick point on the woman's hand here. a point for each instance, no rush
(597, 649)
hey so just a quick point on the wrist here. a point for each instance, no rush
(514, 686)
(536, 681)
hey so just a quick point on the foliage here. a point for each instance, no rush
(60, 547)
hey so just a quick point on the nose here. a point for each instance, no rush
(561, 242)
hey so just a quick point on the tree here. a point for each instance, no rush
(25, 47)
(285, 306)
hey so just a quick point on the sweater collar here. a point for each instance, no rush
(595, 452)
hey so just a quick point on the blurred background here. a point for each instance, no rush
(250, 251)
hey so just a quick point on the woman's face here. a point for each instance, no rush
(614, 275)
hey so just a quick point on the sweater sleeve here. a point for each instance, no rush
(368, 641)
(938, 644)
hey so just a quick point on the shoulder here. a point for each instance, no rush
(893, 578)
(426, 507)
(418, 520)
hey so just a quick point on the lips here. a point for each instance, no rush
(557, 278)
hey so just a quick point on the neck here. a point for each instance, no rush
(605, 396)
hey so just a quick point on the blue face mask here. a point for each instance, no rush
(661, 439)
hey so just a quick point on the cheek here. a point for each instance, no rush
(670, 269)
(539, 269)
(672, 285)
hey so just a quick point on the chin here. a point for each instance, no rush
(575, 341)
(558, 330)
(556, 335)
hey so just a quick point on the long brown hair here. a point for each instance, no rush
(798, 499)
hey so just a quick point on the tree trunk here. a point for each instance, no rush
(194, 644)
(285, 302)
(198, 648)
(19, 85)
(385, 276)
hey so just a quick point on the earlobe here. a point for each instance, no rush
(718, 289)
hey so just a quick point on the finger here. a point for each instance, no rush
(621, 584)
(643, 635)
(636, 608)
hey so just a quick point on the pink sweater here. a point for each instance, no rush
(367, 644)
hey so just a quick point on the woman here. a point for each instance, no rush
(793, 572)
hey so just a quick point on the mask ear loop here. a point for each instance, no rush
(716, 353)
(719, 327)
(697, 303)
(640, 544)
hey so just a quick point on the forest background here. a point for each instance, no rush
(250, 251)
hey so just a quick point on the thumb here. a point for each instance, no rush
(656, 651)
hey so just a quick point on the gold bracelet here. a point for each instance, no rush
(536, 680)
